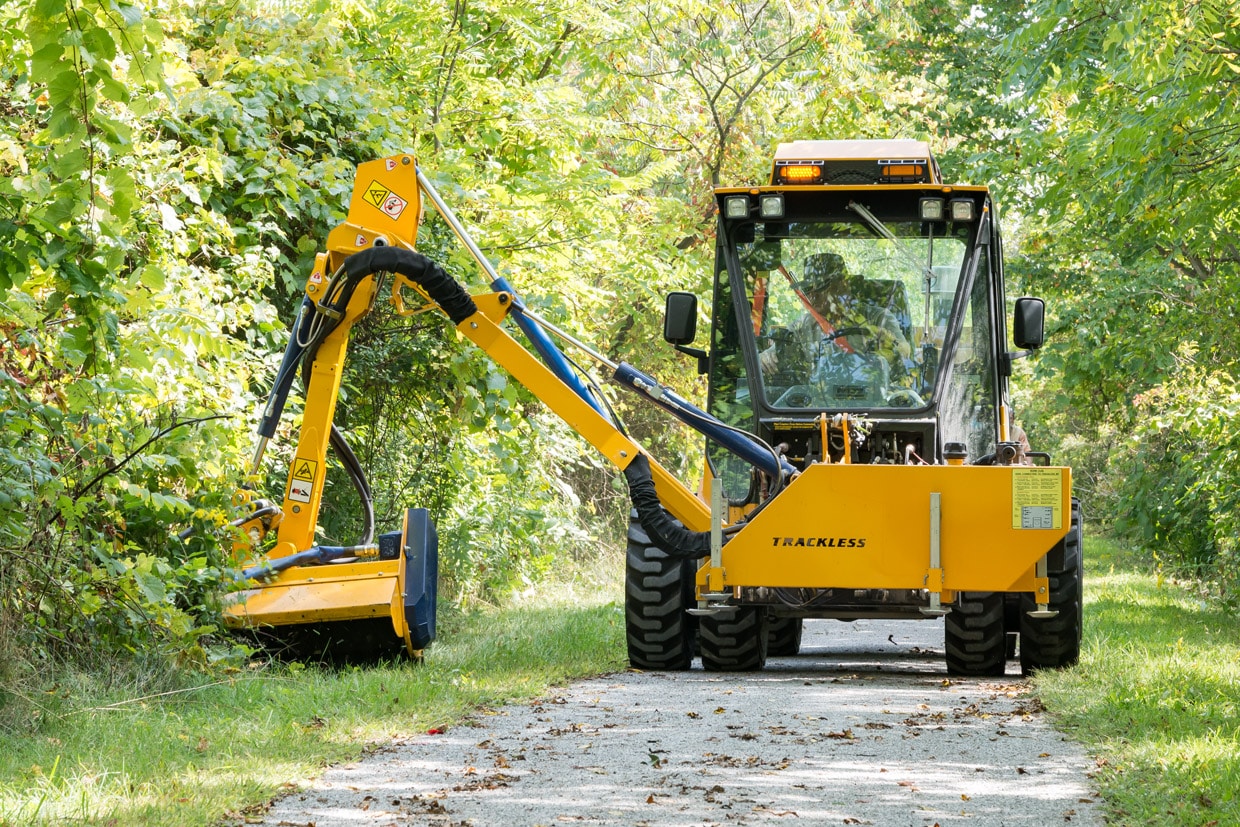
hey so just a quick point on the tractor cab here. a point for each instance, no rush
(856, 283)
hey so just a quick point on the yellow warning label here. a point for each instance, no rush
(1037, 498)
(301, 486)
(376, 194)
(304, 469)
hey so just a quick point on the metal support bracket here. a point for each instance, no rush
(934, 575)
(1042, 592)
(713, 591)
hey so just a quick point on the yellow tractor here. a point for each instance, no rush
(862, 459)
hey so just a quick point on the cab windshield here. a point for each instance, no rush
(845, 319)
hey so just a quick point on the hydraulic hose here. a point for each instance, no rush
(432, 278)
(357, 476)
(287, 372)
(674, 539)
(441, 287)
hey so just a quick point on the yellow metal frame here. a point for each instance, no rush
(373, 588)
(386, 208)
(813, 535)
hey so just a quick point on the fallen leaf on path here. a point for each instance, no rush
(760, 809)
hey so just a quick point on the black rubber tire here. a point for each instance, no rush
(783, 636)
(1055, 642)
(657, 592)
(975, 635)
(733, 640)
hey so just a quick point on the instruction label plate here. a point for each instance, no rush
(1037, 498)
(301, 484)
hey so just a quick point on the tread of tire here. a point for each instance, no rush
(1055, 642)
(783, 636)
(659, 633)
(734, 641)
(975, 635)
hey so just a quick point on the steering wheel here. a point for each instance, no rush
(800, 396)
(905, 398)
(844, 332)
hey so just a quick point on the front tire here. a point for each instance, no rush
(657, 592)
(733, 640)
(1055, 642)
(975, 635)
(783, 636)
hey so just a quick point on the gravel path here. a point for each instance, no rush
(862, 727)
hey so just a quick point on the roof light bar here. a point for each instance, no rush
(809, 172)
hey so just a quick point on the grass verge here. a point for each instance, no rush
(99, 756)
(1156, 697)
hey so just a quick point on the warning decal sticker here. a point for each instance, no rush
(389, 202)
(376, 194)
(394, 205)
(301, 486)
(1037, 498)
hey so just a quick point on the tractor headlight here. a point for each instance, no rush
(963, 209)
(771, 206)
(736, 206)
(932, 209)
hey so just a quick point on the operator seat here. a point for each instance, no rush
(891, 295)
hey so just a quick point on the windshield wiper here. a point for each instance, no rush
(927, 270)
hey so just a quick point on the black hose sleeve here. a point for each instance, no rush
(357, 476)
(441, 287)
(674, 539)
(293, 352)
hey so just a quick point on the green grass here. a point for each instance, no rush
(1156, 696)
(95, 755)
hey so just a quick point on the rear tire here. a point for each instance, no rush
(783, 635)
(975, 635)
(733, 640)
(1055, 642)
(657, 592)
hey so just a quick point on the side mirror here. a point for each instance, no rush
(680, 318)
(1028, 322)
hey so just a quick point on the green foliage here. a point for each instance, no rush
(1181, 496)
(1108, 131)
(1130, 114)
(109, 373)
(167, 175)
